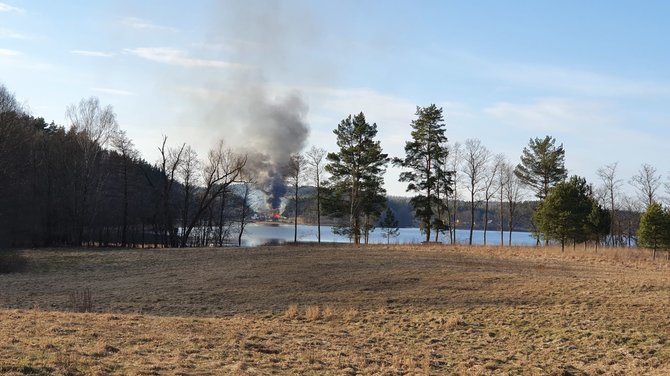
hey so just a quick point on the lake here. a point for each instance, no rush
(257, 234)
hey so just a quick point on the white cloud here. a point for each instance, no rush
(142, 24)
(92, 53)
(112, 91)
(9, 53)
(173, 56)
(551, 115)
(8, 8)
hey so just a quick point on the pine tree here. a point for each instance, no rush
(598, 223)
(542, 165)
(425, 158)
(654, 230)
(563, 215)
(356, 174)
(389, 225)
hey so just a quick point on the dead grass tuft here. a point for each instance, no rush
(291, 312)
(327, 312)
(350, 314)
(312, 313)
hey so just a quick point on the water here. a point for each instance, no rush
(257, 234)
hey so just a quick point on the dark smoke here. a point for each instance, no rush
(277, 191)
(249, 107)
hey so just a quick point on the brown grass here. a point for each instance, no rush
(402, 310)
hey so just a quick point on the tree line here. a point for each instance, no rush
(88, 185)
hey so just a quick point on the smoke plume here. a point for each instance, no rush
(247, 105)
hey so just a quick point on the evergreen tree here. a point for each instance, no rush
(654, 230)
(356, 174)
(598, 223)
(542, 165)
(563, 215)
(389, 225)
(425, 158)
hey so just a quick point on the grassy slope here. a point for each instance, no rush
(389, 311)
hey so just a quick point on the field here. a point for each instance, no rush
(337, 309)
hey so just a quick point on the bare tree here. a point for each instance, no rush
(501, 183)
(630, 217)
(611, 186)
(96, 126)
(315, 161)
(454, 166)
(474, 165)
(124, 145)
(245, 209)
(296, 170)
(490, 187)
(169, 164)
(514, 195)
(187, 171)
(222, 168)
(647, 183)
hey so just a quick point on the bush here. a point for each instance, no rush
(12, 262)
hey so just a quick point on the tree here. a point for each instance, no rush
(647, 183)
(222, 168)
(125, 146)
(654, 231)
(474, 167)
(611, 185)
(513, 193)
(356, 171)
(95, 126)
(454, 161)
(542, 165)
(187, 171)
(598, 223)
(425, 156)
(245, 210)
(389, 225)
(314, 157)
(296, 170)
(563, 215)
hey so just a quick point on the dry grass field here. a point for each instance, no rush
(338, 310)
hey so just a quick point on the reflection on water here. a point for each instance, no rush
(260, 234)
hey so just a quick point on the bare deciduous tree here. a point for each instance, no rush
(474, 165)
(455, 157)
(296, 170)
(490, 187)
(124, 145)
(222, 168)
(611, 186)
(315, 161)
(514, 195)
(95, 126)
(647, 183)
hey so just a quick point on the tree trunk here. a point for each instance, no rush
(486, 219)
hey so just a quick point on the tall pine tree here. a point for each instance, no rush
(425, 158)
(357, 175)
(542, 165)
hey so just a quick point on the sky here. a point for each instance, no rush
(594, 75)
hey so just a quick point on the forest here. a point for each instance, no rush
(85, 184)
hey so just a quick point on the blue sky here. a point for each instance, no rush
(592, 74)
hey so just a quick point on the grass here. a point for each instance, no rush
(338, 310)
